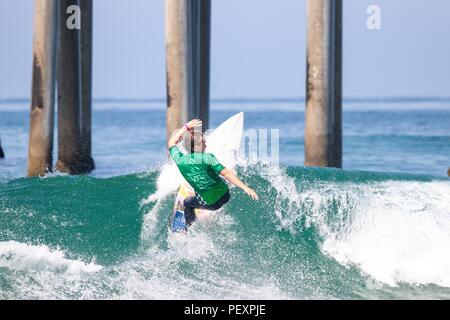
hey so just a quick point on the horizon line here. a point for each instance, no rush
(362, 99)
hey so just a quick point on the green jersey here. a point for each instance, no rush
(201, 171)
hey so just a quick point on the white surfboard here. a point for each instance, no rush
(224, 142)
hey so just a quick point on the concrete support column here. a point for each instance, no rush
(40, 148)
(204, 61)
(69, 95)
(323, 117)
(187, 58)
(86, 83)
(178, 66)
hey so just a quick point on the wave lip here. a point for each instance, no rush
(398, 233)
(394, 229)
(18, 256)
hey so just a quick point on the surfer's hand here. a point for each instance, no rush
(251, 193)
(194, 123)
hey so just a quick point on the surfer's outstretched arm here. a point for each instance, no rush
(230, 176)
(187, 127)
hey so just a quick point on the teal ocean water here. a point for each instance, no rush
(379, 229)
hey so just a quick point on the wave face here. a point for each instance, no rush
(315, 233)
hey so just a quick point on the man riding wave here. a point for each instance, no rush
(202, 171)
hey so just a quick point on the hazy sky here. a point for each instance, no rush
(258, 48)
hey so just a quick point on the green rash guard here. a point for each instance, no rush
(201, 171)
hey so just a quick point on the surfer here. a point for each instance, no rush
(202, 171)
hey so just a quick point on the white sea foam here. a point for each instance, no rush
(289, 198)
(189, 269)
(40, 258)
(399, 233)
(54, 174)
(168, 181)
(192, 245)
(394, 231)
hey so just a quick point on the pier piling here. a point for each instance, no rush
(323, 116)
(69, 96)
(2, 154)
(40, 147)
(204, 60)
(86, 83)
(187, 61)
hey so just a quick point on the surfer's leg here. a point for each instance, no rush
(190, 204)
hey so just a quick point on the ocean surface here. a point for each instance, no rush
(378, 229)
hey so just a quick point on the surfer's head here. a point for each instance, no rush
(194, 141)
